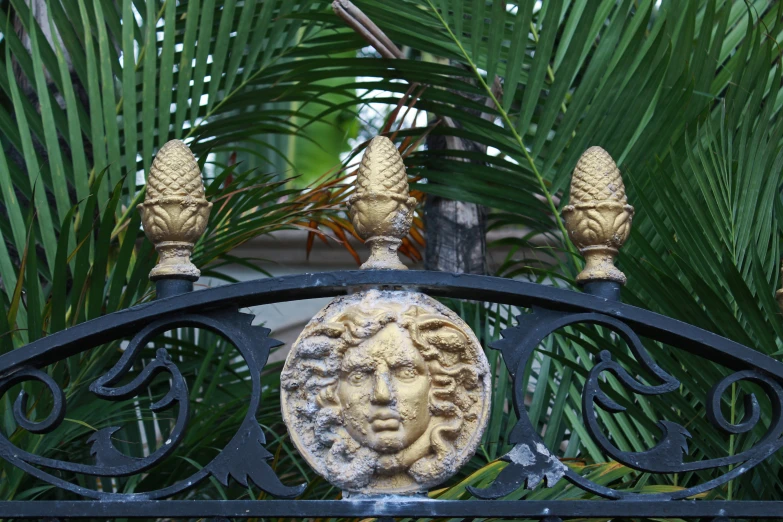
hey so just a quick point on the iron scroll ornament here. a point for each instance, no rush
(244, 457)
(530, 461)
(215, 309)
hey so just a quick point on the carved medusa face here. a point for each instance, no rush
(386, 392)
(383, 391)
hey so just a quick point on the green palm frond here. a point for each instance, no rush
(686, 98)
(84, 112)
(631, 78)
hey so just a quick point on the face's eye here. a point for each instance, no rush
(406, 373)
(357, 377)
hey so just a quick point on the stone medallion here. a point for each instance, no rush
(385, 391)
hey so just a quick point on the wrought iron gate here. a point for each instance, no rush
(529, 463)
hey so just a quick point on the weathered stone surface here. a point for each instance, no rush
(386, 392)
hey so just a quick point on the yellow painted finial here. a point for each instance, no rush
(382, 209)
(175, 211)
(599, 217)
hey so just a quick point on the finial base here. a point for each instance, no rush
(175, 262)
(383, 254)
(599, 229)
(599, 266)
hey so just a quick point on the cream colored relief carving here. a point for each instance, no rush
(386, 392)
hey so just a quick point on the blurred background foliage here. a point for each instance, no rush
(277, 98)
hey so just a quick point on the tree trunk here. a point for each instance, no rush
(456, 230)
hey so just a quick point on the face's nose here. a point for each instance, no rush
(381, 394)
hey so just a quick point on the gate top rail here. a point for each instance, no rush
(523, 294)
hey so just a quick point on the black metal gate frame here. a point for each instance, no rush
(243, 459)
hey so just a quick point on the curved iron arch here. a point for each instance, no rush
(330, 284)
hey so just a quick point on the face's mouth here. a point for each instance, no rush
(386, 420)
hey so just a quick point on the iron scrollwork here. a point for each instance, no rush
(530, 460)
(243, 459)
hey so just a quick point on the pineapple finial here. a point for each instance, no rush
(599, 217)
(382, 209)
(175, 211)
